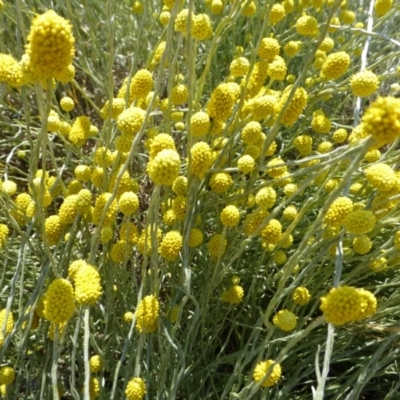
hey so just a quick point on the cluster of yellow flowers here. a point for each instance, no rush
(219, 170)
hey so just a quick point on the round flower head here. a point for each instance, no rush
(200, 160)
(128, 203)
(195, 237)
(201, 27)
(381, 176)
(80, 131)
(9, 325)
(362, 244)
(180, 186)
(87, 285)
(106, 234)
(326, 45)
(263, 107)
(381, 120)
(9, 187)
(4, 232)
(67, 104)
(53, 229)
(222, 101)
(128, 317)
(96, 364)
(164, 168)
(280, 257)
(83, 173)
(320, 123)
(290, 213)
(378, 265)
(50, 46)
(59, 301)
(340, 135)
(267, 369)
(338, 211)
(346, 304)
(220, 182)
(171, 245)
(277, 69)
(131, 120)
(296, 105)
(246, 164)
(230, 216)
(335, 65)
(276, 172)
(74, 187)
(53, 122)
(303, 144)
(382, 7)
(364, 83)
(272, 232)
(368, 304)
(135, 389)
(266, 198)
(68, 210)
(372, 155)
(251, 133)
(307, 26)
(268, 49)
(289, 189)
(292, 48)
(249, 9)
(276, 14)
(239, 66)
(141, 84)
(94, 388)
(359, 222)
(301, 296)
(285, 320)
(179, 94)
(120, 251)
(7, 375)
(216, 246)
(147, 314)
(233, 295)
(11, 72)
(199, 124)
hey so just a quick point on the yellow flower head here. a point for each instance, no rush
(381, 120)
(285, 320)
(96, 364)
(335, 65)
(230, 216)
(59, 301)
(268, 369)
(87, 285)
(7, 375)
(233, 295)
(164, 168)
(147, 314)
(50, 46)
(345, 304)
(364, 83)
(171, 245)
(135, 389)
(301, 295)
